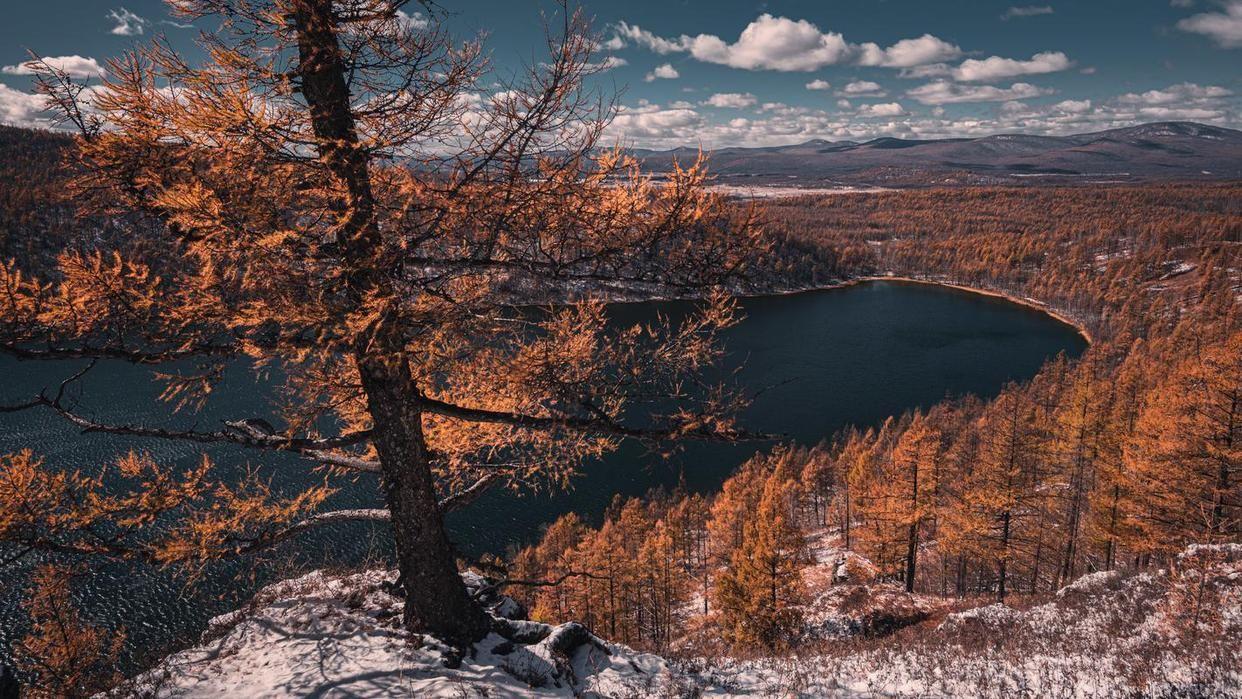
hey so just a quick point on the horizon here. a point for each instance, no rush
(783, 73)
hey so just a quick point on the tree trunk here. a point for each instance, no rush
(437, 601)
(1004, 557)
(912, 540)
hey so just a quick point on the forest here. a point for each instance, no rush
(1117, 460)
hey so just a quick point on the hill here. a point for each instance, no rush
(1150, 152)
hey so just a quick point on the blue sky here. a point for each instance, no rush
(731, 72)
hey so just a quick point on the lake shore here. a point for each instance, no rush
(1031, 303)
(1035, 304)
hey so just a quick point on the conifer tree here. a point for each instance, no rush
(758, 596)
(1187, 450)
(344, 194)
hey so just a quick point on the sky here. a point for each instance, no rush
(745, 73)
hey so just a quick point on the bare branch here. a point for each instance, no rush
(316, 520)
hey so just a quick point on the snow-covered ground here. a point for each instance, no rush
(1174, 633)
(340, 636)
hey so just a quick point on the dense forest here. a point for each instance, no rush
(1117, 460)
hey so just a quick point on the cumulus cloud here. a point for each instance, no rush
(1225, 28)
(412, 22)
(1073, 106)
(731, 100)
(653, 124)
(663, 72)
(628, 33)
(784, 44)
(608, 63)
(19, 108)
(127, 23)
(1027, 11)
(862, 88)
(75, 66)
(1183, 93)
(909, 52)
(888, 109)
(772, 43)
(818, 85)
(997, 68)
(945, 92)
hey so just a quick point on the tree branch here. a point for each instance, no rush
(311, 448)
(316, 520)
(462, 498)
(597, 425)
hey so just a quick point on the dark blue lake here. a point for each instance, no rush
(825, 359)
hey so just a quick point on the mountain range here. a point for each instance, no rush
(1149, 152)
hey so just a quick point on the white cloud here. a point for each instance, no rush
(663, 72)
(1225, 28)
(996, 68)
(862, 88)
(127, 23)
(945, 92)
(412, 22)
(784, 44)
(818, 85)
(731, 100)
(651, 124)
(889, 109)
(642, 37)
(1027, 11)
(1174, 94)
(1073, 106)
(772, 43)
(608, 63)
(19, 108)
(909, 52)
(616, 43)
(75, 66)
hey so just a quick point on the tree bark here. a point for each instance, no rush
(436, 600)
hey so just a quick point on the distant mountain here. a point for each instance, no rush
(1158, 151)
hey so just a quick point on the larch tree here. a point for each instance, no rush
(1000, 495)
(339, 195)
(1187, 450)
(758, 595)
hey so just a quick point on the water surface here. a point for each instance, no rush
(824, 359)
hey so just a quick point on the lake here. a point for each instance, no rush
(825, 359)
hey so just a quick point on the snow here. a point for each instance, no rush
(323, 635)
(1107, 634)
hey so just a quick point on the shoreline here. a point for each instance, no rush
(1033, 304)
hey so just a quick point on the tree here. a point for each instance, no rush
(338, 197)
(897, 501)
(759, 593)
(1187, 450)
(67, 656)
(1001, 491)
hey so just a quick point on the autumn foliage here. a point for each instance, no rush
(1117, 460)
